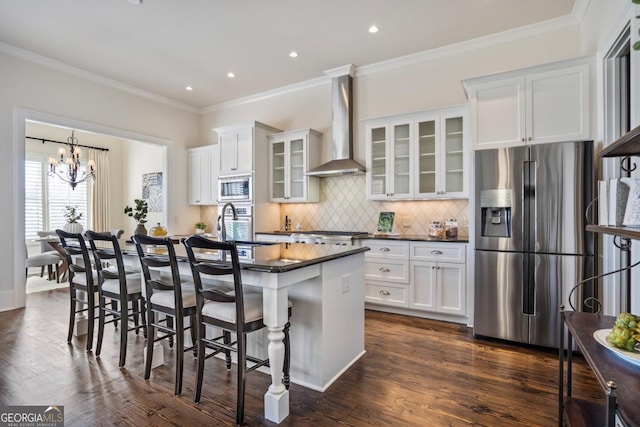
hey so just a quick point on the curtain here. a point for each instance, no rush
(100, 205)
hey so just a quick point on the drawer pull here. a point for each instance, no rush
(385, 293)
(384, 270)
(385, 249)
(436, 252)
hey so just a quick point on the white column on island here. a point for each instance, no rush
(275, 306)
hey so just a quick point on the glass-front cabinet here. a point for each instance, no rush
(389, 162)
(292, 154)
(418, 156)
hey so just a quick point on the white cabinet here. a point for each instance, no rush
(441, 154)
(549, 103)
(387, 272)
(202, 167)
(291, 155)
(417, 278)
(438, 277)
(417, 156)
(389, 166)
(241, 145)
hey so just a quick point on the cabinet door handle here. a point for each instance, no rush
(529, 139)
(522, 139)
(433, 267)
(384, 270)
(436, 252)
(385, 293)
(385, 249)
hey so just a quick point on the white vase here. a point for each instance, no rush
(73, 227)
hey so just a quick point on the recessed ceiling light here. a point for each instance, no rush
(134, 1)
(231, 75)
(373, 29)
(188, 88)
(293, 54)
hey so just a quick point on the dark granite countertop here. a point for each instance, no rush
(270, 258)
(408, 237)
(416, 238)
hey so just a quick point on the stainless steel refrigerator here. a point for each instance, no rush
(530, 239)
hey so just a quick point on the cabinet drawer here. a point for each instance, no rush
(386, 248)
(389, 271)
(449, 252)
(387, 294)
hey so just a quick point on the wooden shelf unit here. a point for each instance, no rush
(627, 145)
(606, 366)
(619, 402)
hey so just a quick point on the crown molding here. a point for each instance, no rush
(308, 84)
(87, 75)
(470, 45)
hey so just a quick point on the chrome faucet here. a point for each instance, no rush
(224, 227)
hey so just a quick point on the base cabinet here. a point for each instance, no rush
(438, 277)
(386, 272)
(438, 287)
(425, 278)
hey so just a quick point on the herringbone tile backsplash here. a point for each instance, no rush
(344, 207)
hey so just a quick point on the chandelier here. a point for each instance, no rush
(66, 167)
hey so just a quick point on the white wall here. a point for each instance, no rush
(140, 158)
(31, 90)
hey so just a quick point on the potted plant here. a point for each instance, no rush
(72, 216)
(200, 227)
(139, 213)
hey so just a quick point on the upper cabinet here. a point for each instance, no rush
(203, 164)
(389, 166)
(417, 156)
(291, 155)
(548, 103)
(241, 144)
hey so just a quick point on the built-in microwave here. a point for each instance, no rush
(234, 188)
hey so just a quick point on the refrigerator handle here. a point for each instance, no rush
(528, 224)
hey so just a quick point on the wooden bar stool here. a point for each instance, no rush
(83, 278)
(238, 311)
(118, 285)
(168, 296)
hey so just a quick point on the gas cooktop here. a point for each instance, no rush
(326, 237)
(332, 233)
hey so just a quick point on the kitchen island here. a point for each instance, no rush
(326, 287)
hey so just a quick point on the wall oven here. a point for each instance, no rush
(234, 188)
(241, 228)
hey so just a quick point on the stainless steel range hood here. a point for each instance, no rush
(342, 146)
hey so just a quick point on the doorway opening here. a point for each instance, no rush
(124, 175)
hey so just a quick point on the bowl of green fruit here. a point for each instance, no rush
(624, 338)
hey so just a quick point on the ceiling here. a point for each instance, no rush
(162, 46)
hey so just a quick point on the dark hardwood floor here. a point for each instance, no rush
(415, 372)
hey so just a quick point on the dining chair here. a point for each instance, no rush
(238, 311)
(48, 257)
(42, 260)
(83, 281)
(169, 300)
(119, 285)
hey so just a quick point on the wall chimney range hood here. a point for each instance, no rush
(342, 145)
